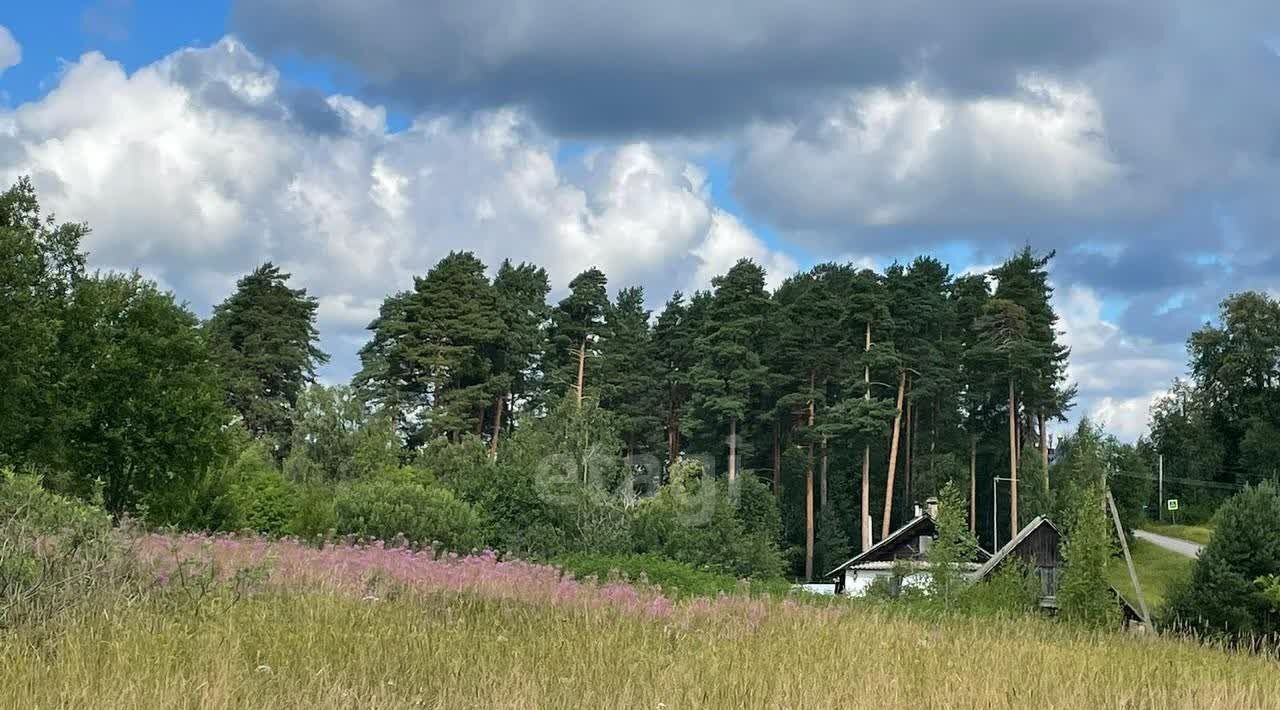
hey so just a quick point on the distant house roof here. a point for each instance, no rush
(1013, 544)
(918, 526)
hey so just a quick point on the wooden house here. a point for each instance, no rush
(899, 559)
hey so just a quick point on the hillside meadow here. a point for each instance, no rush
(246, 623)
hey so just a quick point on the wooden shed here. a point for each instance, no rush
(1038, 544)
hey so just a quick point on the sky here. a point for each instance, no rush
(356, 142)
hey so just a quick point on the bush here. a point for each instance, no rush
(1013, 590)
(54, 551)
(315, 515)
(693, 520)
(1084, 595)
(394, 504)
(954, 546)
(263, 499)
(1223, 597)
(673, 577)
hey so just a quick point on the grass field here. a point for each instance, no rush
(469, 632)
(1195, 533)
(1157, 568)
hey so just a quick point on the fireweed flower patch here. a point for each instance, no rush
(371, 570)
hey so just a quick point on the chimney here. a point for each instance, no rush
(931, 505)
(917, 510)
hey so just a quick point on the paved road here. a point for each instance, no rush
(1178, 545)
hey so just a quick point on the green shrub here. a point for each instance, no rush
(315, 516)
(1222, 597)
(1084, 595)
(1012, 590)
(954, 546)
(54, 551)
(1270, 586)
(394, 504)
(674, 578)
(694, 520)
(264, 500)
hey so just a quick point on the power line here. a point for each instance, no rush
(1184, 481)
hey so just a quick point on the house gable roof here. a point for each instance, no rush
(1013, 544)
(920, 525)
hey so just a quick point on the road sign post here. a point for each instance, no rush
(1172, 505)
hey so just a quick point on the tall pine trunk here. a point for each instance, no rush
(1044, 450)
(808, 494)
(906, 469)
(1013, 463)
(822, 476)
(582, 369)
(777, 457)
(893, 457)
(973, 484)
(498, 403)
(864, 522)
(733, 449)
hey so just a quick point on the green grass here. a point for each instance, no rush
(1157, 568)
(456, 650)
(675, 579)
(1195, 533)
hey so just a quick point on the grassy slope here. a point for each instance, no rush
(1157, 569)
(322, 652)
(1194, 533)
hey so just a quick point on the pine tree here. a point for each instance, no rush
(1017, 330)
(433, 350)
(577, 327)
(867, 312)
(389, 380)
(804, 357)
(521, 296)
(630, 383)
(1042, 393)
(1004, 338)
(264, 340)
(971, 294)
(673, 340)
(730, 374)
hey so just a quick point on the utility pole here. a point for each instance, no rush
(1160, 503)
(995, 513)
(1128, 559)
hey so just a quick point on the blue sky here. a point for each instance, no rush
(357, 144)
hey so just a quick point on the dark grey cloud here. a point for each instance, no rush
(217, 78)
(1137, 269)
(620, 68)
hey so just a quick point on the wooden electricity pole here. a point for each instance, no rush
(1128, 559)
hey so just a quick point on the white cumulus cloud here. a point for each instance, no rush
(906, 157)
(201, 165)
(1118, 375)
(10, 50)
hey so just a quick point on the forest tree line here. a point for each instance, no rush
(849, 394)
(1219, 430)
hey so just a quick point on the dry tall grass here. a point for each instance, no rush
(459, 649)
